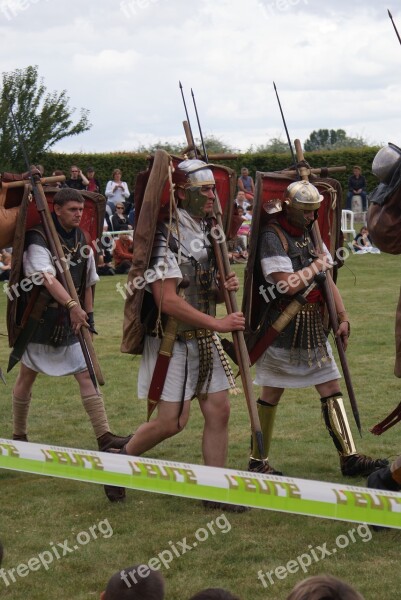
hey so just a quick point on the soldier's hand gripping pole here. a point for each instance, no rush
(56, 250)
(329, 299)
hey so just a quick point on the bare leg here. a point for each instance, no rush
(164, 426)
(216, 412)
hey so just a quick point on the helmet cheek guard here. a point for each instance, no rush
(197, 175)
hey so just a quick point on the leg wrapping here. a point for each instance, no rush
(20, 414)
(96, 412)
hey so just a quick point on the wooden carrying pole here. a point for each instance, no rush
(328, 296)
(56, 250)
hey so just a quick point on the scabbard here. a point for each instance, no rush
(280, 324)
(162, 364)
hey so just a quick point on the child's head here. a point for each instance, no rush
(135, 583)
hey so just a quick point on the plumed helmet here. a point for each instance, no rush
(303, 195)
(386, 161)
(197, 173)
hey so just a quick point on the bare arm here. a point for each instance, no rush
(77, 315)
(165, 293)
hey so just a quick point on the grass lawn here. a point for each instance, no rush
(38, 513)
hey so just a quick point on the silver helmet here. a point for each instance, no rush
(386, 161)
(197, 174)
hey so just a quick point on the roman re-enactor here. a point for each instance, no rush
(185, 288)
(384, 222)
(53, 347)
(287, 264)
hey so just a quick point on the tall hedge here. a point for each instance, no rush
(131, 163)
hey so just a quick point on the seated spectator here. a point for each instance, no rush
(116, 190)
(324, 587)
(214, 594)
(363, 244)
(119, 222)
(103, 267)
(362, 240)
(356, 187)
(93, 182)
(241, 200)
(244, 228)
(245, 184)
(77, 181)
(5, 265)
(123, 253)
(135, 583)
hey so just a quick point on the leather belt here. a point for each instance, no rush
(188, 334)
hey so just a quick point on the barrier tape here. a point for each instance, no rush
(284, 494)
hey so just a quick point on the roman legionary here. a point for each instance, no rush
(300, 356)
(53, 347)
(184, 289)
(384, 222)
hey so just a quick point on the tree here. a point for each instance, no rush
(43, 118)
(273, 146)
(331, 139)
(213, 146)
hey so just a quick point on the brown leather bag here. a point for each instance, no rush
(384, 221)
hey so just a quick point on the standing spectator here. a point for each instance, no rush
(93, 182)
(356, 187)
(77, 181)
(116, 190)
(119, 222)
(59, 184)
(245, 184)
(123, 253)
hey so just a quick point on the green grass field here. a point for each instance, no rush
(37, 512)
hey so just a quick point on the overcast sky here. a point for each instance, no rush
(336, 64)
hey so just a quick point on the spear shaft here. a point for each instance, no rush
(394, 25)
(285, 126)
(188, 121)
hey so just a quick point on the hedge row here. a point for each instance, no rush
(131, 163)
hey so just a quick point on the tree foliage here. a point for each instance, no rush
(273, 146)
(213, 146)
(332, 139)
(43, 118)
